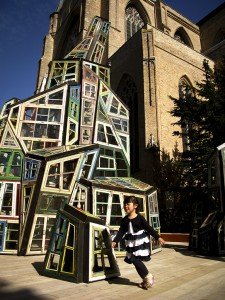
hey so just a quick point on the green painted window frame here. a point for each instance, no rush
(8, 165)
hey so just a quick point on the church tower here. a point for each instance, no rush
(151, 48)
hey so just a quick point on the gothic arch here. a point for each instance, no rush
(135, 18)
(182, 36)
(127, 91)
(185, 90)
(185, 87)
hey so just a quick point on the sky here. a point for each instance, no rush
(24, 24)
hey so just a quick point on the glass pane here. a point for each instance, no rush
(50, 203)
(141, 203)
(41, 100)
(11, 245)
(97, 263)
(53, 181)
(57, 243)
(12, 234)
(2, 226)
(70, 166)
(53, 131)
(115, 221)
(37, 145)
(67, 178)
(40, 130)
(53, 261)
(61, 227)
(71, 236)
(38, 235)
(30, 113)
(116, 199)
(55, 115)
(16, 165)
(110, 136)
(102, 197)
(42, 114)
(97, 241)
(56, 98)
(7, 199)
(115, 106)
(16, 160)
(4, 158)
(101, 209)
(89, 159)
(104, 162)
(27, 130)
(50, 224)
(121, 164)
(54, 169)
(67, 265)
(72, 131)
(116, 209)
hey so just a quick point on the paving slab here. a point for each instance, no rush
(179, 274)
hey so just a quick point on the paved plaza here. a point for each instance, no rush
(179, 274)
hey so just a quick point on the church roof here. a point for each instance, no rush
(211, 14)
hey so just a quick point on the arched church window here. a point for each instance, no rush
(134, 21)
(127, 91)
(185, 88)
(182, 37)
(185, 91)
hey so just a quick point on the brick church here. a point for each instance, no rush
(153, 51)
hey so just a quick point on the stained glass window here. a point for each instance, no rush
(134, 22)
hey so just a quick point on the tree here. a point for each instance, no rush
(201, 116)
(182, 179)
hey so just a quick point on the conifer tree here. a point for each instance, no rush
(201, 115)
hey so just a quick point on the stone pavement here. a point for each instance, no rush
(179, 274)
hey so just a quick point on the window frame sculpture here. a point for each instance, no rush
(80, 248)
(76, 116)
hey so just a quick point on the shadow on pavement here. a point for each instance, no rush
(6, 293)
(39, 267)
(121, 281)
(184, 250)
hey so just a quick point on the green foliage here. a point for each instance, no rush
(182, 179)
(201, 115)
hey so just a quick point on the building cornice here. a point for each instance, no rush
(193, 27)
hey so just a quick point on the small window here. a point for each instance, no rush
(79, 197)
(88, 112)
(84, 45)
(89, 90)
(93, 27)
(106, 135)
(98, 53)
(31, 169)
(116, 211)
(7, 200)
(4, 159)
(56, 98)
